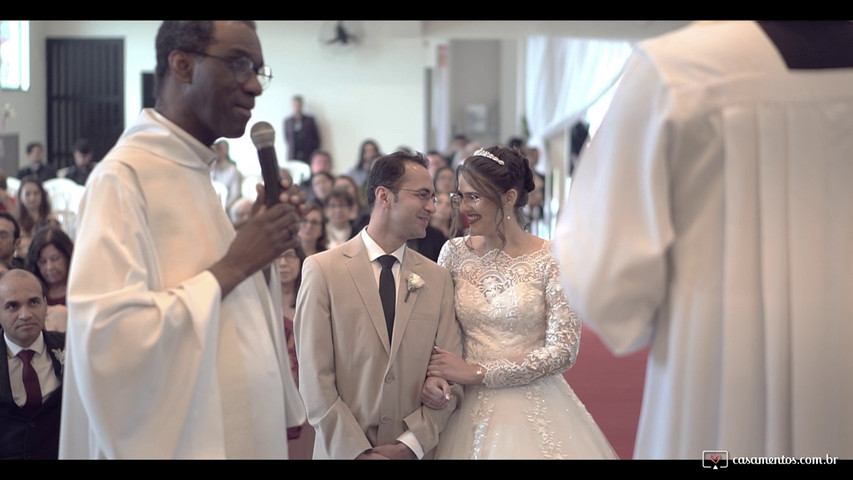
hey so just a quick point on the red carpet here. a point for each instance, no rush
(611, 388)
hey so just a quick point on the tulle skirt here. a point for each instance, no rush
(538, 421)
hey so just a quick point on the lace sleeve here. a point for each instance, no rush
(562, 337)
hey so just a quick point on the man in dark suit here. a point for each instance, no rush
(301, 133)
(37, 167)
(30, 371)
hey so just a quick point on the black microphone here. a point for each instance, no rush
(263, 136)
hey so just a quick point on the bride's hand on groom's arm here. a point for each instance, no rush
(453, 368)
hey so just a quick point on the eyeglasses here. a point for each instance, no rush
(457, 199)
(290, 255)
(423, 195)
(243, 68)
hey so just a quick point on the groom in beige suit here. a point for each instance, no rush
(361, 385)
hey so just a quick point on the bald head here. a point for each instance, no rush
(23, 307)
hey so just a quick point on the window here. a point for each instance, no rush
(15, 55)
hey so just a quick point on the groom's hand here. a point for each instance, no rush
(435, 393)
(395, 451)
(369, 454)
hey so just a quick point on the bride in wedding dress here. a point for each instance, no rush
(519, 333)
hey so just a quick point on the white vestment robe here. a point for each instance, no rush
(158, 364)
(711, 216)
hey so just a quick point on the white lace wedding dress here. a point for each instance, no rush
(517, 323)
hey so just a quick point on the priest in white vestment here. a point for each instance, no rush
(175, 342)
(712, 217)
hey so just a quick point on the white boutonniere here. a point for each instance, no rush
(59, 353)
(413, 283)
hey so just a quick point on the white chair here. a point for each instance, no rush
(248, 186)
(12, 186)
(299, 170)
(221, 192)
(65, 195)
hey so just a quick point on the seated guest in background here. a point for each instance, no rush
(34, 211)
(32, 367)
(48, 259)
(367, 153)
(225, 172)
(444, 180)
(430, 245)
(83, 163)
(321, 185)
(7, 202)
(300, 438)
(443, 216)
(10, 237)
(338, 226)
(37, 167)
(358, 212)
(312, 231)
(321, 161)
(240, 211)
(436, 161)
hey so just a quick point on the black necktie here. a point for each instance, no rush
(31, 383)
(386, 291)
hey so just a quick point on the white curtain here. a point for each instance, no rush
(564, 77)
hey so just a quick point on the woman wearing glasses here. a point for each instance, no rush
(519, 332)
(312, 230)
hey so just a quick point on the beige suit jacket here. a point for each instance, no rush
(359, 389)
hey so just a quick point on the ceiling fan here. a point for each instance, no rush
(341, 35)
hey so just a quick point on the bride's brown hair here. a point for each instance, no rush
(492, 180)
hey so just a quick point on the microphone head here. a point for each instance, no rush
(263, 135)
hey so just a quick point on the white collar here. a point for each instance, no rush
(374, 251)
(13, 348)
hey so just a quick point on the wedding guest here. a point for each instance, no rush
(49, 258)
(7, 202)
(338, 225)
(518, 330)
(443, 216)
(321, 184)
(37, 167)
(321, 161)
(367, 153)
(358, 210)
(312, 230)
(225, 172)
(300, 438)
(31, 370)
(10, 237)
(300, 132)
(240, 211)
(436, 161)
(83, 164)
(34, 212)
(445, 180)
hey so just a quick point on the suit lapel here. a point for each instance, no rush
(404, 305)
(54, 341)
(5, 385)
(361, 271)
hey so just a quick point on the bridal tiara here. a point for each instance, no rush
(483, 153)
